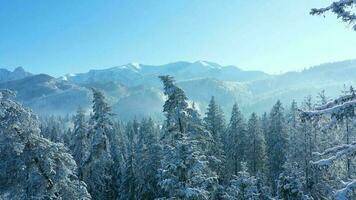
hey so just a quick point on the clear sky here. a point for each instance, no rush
(59, 37)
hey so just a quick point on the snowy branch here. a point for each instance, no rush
(343, 193)
(5, 94)
(331, 109)
(338, 151)
(341, 8)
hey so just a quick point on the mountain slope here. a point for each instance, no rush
(18, 73)
(134, 90)
(48, 95)
(134, 74)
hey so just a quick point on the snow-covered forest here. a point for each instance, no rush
(189, 148)
(304, 150)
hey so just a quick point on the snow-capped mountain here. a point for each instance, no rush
(135, 91)
(18, 73)
(135, 74)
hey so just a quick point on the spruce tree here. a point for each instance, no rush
(33, 167)
(235, 141)
(242, 186)
(214, 122)
(80, 142)
(255, 153)
(128, 186)
(149, 157)
(295, 135)
(184, 172)
(276, 143)
(97, 169)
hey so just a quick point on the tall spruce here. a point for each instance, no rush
(235, 147)
(276, 143)
(80, 142)
(128, 186)
(149, 156)
(294, 130)
(97, 169)
(214, 122)
(255, 153)
(184, 172)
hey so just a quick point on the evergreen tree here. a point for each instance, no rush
(149, 157)
(214, 121)
(129, 177)
(80, 140)
(33, 167)
(255, 153)
(295, 151)
(242, 186)
(184, 172)
(197, 131)
(235, 146)
(97, 169)
(290, 184)
(276, 143)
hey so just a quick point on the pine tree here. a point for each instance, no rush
(276, 143)
(184, 172)
(149, 157)
(33, 167)
(215, 123)
(97, 169)
(290, 184)
(242, 186)
(128, 186)
(295, 151)
(80, 140)
(255, 153)
(235, 146)
(339, 111)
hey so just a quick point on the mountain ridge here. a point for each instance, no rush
(135, 91)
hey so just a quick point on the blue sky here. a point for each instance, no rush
(58, 37)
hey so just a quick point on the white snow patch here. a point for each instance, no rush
(136, 65)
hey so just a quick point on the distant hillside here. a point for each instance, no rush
(135, 74)
(18, 73)
(47, 95)
(134, 90)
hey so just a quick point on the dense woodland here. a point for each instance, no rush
(301, 151)
(304, 151)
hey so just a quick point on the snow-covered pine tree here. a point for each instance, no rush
(184, 172)
(235, 146)
(264, 124)
(149, 157)
(293, 128)
(214, 122)
(119, 153)
(255, 153)
(242, 186)
(290, 184)
(343, 9)
(116, 145)
(97, 169)
(340, 111)
(276, 140)
(197, 130)
(128, 186)
(54, 128)
(33, 167)
(80, 142)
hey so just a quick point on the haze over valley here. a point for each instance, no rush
(134, 89)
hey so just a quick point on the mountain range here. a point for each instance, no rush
(134, 90)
